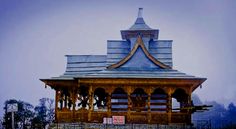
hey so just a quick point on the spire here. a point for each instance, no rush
(140, 12)
(140, 23)
(140, 28)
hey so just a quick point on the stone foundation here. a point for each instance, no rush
(111, 126)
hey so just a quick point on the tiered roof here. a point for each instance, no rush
(140, 54)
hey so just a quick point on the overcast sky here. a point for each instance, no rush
(35, 36)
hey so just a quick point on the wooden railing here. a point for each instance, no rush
(132, 117)
(65, 116)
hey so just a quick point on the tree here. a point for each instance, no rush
(22, 117)
(44, 113)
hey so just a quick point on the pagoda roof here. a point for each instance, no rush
(138, 55)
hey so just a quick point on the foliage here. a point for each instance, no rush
(22, 117)
(28, 115)
(44, 113)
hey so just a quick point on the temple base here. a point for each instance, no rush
(112, 126)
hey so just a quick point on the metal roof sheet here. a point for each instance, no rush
(138, 73)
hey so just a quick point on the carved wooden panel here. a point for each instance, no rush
(138, 117)
(64, 116)
(81, 116)
(159, 118)
(180, 117)
(97, 117)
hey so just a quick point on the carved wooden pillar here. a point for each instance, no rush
(109, 103)
(190, 96)
(90, 102)
(149, 105)
(74, 102)
(129, 103)
(169, 104)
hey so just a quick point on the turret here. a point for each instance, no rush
(140, 28)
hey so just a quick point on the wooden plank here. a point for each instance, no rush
(119, 103)
(160, 50)
(118, 50)
(158, 109)
(85, 69)
(112, 60)
(159, 98)
(162, 55)
(86, 64)
(156, 103)
(118, 44)
(119, 109)
(116, 56)
(86, 58)
(158, 44)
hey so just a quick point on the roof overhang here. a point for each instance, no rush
(54, 83)
(191, 82)
(174, 82)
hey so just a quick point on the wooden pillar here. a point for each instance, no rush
(149, 105)
(90, 102)
(129, 103)
(169, 105)
(74, 94)
(109, 104)
(189, 103)
(190, 96)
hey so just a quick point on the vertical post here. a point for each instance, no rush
(189, 104)
(129, 103)
(90, 102)
(169, 105)
(190, 96)
(12, 120)
(73, 102)
(109, 104)
(149, 105)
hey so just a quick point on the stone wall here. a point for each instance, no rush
(126, 126)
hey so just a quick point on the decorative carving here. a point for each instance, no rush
(139, 100)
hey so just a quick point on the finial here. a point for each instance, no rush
(140, 12)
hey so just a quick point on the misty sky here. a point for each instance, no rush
(35, 36)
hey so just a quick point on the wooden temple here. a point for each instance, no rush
(135, 79)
